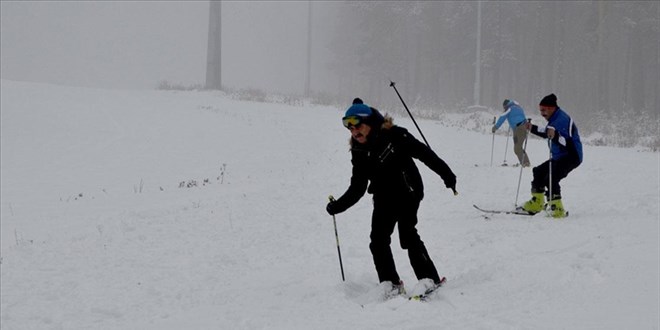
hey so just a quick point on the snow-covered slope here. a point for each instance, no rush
(166, 210)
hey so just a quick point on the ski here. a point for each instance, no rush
(427, 295)
(517, 212)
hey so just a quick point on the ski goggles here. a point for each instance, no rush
(352, 121)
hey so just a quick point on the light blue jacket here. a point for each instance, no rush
(514, 114)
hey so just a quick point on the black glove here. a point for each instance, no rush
(451, 183)
(331, 208)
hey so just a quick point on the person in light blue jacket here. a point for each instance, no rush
(515, 115)
(565, 155)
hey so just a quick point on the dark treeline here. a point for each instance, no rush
(600, 57)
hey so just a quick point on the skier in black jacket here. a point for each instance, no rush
(382, 158)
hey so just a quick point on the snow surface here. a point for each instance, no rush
(98, 234)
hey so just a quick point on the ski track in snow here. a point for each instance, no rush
(97, 234)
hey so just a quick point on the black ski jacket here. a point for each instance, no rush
(385, 164)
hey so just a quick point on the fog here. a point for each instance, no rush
(138, 44)
(601, 58)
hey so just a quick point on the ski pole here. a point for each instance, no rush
(506, 148)
(411, 116)
(550, 171)
(492, 145)
(529, 120)
(392, 84)
(334, 221)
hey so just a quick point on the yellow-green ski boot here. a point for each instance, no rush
(534, 205)
(556, 209)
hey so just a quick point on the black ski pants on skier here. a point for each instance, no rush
(402, 212)
(560, 169)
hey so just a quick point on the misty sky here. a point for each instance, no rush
(137, 44)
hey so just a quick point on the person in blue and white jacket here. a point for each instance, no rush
(566, 155)
(515, 115)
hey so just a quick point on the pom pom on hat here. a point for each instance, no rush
(358, 109)
(369, 115)
(549, 101)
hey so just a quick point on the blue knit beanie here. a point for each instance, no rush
(358, 109)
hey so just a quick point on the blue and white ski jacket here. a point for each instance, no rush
(514, 114)
(566, 142)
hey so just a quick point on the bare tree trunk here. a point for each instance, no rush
(535, 71)
(308, 75)
(477, 63)
(603, 59)
(497, 54)
(214, 47)
(638, 70)
(559, 49)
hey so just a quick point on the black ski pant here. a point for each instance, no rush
(388, 213)
(560, 169)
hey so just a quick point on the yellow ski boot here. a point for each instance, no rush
(556, 209)
(534, 205)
